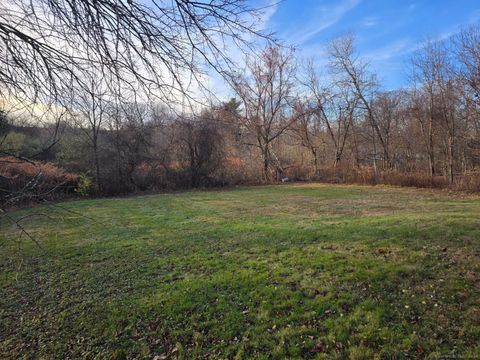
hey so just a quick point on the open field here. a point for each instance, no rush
(266, 272)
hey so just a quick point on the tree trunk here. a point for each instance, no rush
(97, 165)
(450, 159)
(315, 162)
(335, 164)
(387, 164)
(266, 164)
(431, 156)
(375, 168)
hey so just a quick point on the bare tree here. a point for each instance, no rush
(434, 72)
(157, 47)
(388, 112)
(308, 127)
(468, 54)
(129, 132)
(354, 73)
(90, 115)
(335, 106)
(201, 147)
(266, 91)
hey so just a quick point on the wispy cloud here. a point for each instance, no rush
(392, 50)
(369, 21)
(456, 28)
(322, 18)
(268, 10)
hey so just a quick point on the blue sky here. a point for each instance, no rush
(387, 32)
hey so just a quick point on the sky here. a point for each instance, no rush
(387, 32)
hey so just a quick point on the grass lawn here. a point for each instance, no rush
(313, 271)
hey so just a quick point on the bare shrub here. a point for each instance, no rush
(470, 181)
(29, 181)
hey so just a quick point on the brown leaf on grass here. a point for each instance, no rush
(160, 357)
(320, 347)
(167, 355)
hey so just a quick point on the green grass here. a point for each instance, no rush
(313, 271)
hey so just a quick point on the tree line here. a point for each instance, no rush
(287, 121)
